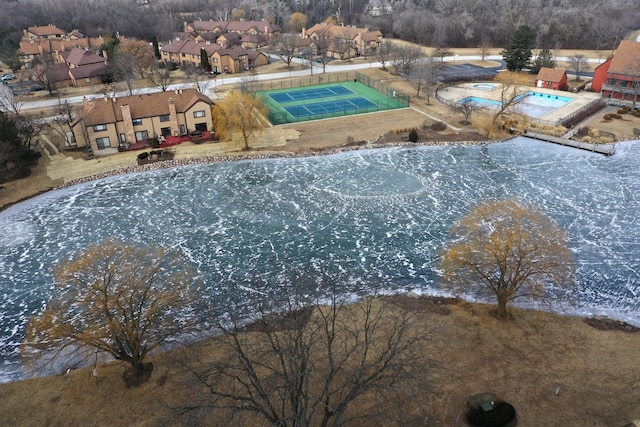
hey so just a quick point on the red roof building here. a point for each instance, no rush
(551, 78)
(619, 76)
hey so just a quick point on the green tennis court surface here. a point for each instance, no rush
(326, 101)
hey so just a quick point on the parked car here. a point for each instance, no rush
(37, 88)
(5, 77)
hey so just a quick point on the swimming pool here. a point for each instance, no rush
(534, 104)
(485, 86)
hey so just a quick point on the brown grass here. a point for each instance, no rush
(522, 362)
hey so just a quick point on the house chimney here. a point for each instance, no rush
(129, 133)
(173, 118)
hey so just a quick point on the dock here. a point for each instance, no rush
(605, 149)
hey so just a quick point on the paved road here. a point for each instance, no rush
(209, 86)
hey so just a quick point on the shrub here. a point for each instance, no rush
(155, 142)
(623, 111)
(438, 126)
(413, 136)
(636, 113)
(607, 117)
(350, 140)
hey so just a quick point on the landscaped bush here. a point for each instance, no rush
(623, 110)
(438, 126)
(413, 136)
(636, 113)
(611, 116)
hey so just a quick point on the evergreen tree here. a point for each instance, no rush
(204, 60)
(16, 157)
(156, 48)
(518, 53)
(544, 59)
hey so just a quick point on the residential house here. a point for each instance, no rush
(43, 43)
(222, 59)
(85, 67)
(379, 7)
(45, 32)
(551, 78)
(345, 42)
(242, 27)
(104, 123)
(619, 76)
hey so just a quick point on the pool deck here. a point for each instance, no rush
(464, 90)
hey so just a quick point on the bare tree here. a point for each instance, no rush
(307, 363)
(509, 250)
(579, 65)
(287, 47)
(405, 58)
(249, 83)
(425, 77)
(160, 77)
(324, 46)
(385, 53)
(466, 107)
(510, 96)
(29, 125)
(116, 299)
(61, 122)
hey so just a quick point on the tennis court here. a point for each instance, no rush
(328, 100)
(306, 94)
(330, 107)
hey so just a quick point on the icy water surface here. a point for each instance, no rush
(378, 215)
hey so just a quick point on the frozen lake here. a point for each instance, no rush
(382, 216)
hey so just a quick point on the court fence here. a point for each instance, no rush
(393, 98)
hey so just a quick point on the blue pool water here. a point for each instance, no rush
(374, 220)
(535, 104)
(485, 86)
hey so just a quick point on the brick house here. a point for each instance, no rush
(43, 44)
(104, 123)
(345, 42)
(85, 67)
(619, 76)
(253, 28)
(222, 59)
(551, 78)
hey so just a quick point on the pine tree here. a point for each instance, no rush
(518, 53)
(204, 60)
(544, 59)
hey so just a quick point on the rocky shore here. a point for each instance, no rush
(259, 155)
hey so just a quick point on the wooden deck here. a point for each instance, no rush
(606, 149)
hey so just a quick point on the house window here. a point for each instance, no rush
(88, 80)
(99, 128)
(103, 142)
(183, 130)
(165, 118)
(215, 59)
(123, 137)
(137, 122)
(197, 114)
(142, 135)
